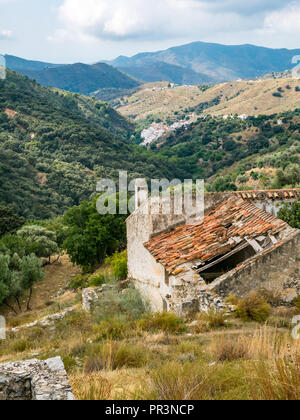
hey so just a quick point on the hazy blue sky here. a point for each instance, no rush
(64, 31)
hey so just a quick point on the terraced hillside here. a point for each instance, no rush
(160, 101)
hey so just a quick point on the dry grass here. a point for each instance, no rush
(279, 381)
(91, 387)
(163, 360)
(173, 381)
(227, 348)
(112, 355)
(251, 98)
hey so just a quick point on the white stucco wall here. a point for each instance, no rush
(270, 206)
(142, 267)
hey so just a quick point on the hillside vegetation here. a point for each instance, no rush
(159, 101)
(54, 146)
(211, 144)
(121, 351)
(81, 78)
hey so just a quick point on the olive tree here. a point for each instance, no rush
(39, 241)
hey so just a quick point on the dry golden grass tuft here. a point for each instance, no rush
(91, 387)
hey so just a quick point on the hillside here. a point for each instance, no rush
(17, 64)
(81, 78)
(54, 147)
(218, 62)
(159, 101)
(213, 146)
(160, 71)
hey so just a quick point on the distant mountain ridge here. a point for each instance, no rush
(160, 72)
(191, 64)
(78, 77)
(217, 62)
(17, 63)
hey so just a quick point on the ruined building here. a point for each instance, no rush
(240, 246)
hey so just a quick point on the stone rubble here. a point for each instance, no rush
(48, 321)
(34, 380)
(90, 297)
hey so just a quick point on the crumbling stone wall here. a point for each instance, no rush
(35, 380)
(150, 277)
(276, 270)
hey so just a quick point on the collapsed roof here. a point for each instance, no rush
(233, 226)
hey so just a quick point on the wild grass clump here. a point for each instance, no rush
(162, 321)
(230, 348)
(176, 381)
(279, 381)
(253, 308)
(91, 387)
(114, 328)
(112, 355)
(207, 321)
(215, 319)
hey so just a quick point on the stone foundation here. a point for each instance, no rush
(35, 380)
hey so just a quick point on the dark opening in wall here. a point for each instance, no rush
(226, 264)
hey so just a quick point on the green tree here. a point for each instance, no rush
(10, 281)
(31, 273)
(290, 213)
(10, 222)
(91, 236)
(39, 241)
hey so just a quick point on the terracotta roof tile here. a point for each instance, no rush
(209, 239)
(268, 194)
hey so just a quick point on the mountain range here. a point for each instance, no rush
(216, 62)
(78, 77)
(192, 64)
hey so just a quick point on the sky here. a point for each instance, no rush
(67, 31)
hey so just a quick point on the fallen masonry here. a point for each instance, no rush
(48, 321)
(34, 380)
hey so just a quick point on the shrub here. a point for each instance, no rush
(253, 308)
(126, 304)
(228, 349)
(215, 319)
(114, 328)
(162, 321)
(78, 282)
(118, 263)
(97, 280)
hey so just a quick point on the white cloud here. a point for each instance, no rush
(285, 21)
(154, 19)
